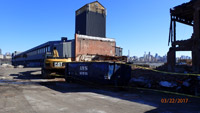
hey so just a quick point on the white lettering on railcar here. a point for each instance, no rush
(83, 73)
(83, 68)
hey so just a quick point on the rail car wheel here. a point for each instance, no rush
(45, 74)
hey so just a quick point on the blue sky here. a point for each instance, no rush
(137, 25)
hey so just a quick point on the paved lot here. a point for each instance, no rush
(23, 91)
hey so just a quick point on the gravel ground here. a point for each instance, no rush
(22, 90)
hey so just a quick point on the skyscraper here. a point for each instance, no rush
(0, 52)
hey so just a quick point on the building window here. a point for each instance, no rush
(48, 49)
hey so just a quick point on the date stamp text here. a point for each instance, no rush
(174, 100)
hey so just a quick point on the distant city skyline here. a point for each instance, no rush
(178, 54)
(148, 57)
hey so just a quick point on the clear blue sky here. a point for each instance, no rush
(137, 25)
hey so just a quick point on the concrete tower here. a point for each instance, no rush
(91, 20)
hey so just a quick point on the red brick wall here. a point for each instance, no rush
(92, 46)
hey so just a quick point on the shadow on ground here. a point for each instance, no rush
(35, 74)
(141, 96)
